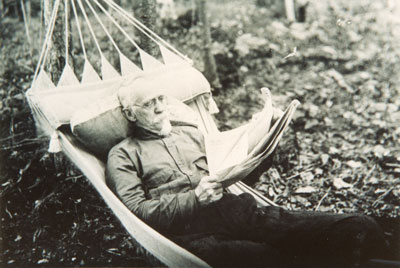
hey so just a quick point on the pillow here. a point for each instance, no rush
(102, 125)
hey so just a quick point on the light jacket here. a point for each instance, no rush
(155, 176)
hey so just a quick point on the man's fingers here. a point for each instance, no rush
(215, 189)
(209, 190)
(219, 190)
(210, 178)
(217, 196)
(215, 185)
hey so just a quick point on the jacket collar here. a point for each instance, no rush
(144, 134)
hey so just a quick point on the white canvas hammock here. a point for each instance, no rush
(54, 105)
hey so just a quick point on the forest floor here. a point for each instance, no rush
(341, 154)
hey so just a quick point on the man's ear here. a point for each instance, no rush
(129, 114)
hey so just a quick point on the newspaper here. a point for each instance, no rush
(228, 154)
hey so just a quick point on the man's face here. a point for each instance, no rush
(152, 114)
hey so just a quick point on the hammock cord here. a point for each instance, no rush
(102, 25)
(137, 26)
(144, 29)
(26, 23)
(117, 25)
(132, 20)
(78, 26)
(90, 27)
(41, 20)
(66, 30)
(45, 49)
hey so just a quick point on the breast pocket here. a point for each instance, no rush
(201, 164)
(159, 177)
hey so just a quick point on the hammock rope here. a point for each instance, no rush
(120, 11)
(117, 25)
(66, 31)
(145, 30)
(41, 20)
(89, 26)
(26, 23)
(78, 26)
(103, 26)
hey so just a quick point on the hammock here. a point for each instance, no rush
(53, 106)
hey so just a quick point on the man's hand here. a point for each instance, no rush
(208, 190)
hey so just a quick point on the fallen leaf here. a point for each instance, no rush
(306, 190)
(329, 50)
(372, 180)
(42, 261)
(339, 183)
(307, 176)
(380, 191)
(396, 192)
(271, 192)
(313, 109)
(311, 124)
(318, 171)
(354, 164)
(325, 208)
(324, 159)
(380, 151)
(333, 150)
(301, 200)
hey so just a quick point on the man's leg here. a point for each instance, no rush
(216, 236)
(319, 239)
(302, 238)
(220, 251)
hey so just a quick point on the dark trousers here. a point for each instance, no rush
(235, 232)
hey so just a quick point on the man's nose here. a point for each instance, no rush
(159, 107)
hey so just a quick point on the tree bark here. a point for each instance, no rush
(146, 12)
(284, 8)
(1, 8)
(210, 67)
(28, 5)
(56, 58)
(290, 10)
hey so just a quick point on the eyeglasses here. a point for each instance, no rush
(151, 104)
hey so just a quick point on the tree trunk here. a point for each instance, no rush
(28, 5)
(284, 8)
(56, 58)
(147, 14)
(1, 8)
(210, 68)
(290, 11)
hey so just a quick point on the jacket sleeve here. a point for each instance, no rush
(161, 213)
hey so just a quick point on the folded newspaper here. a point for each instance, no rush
(230, 154)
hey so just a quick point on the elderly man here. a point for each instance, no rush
(161, 175)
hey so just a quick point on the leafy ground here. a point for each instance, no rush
(342, 153)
